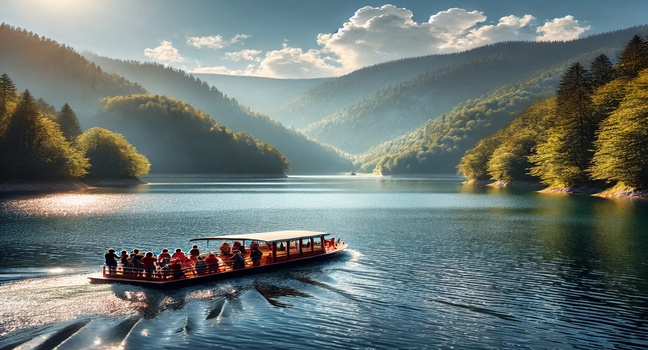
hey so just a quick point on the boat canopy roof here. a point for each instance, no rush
(274, 236)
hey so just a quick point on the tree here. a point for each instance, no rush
(602, 70)
(633, 58)
(563, 157)
(7, 93)
(474, 164)
(69, 123)
(33, 147)
(110, 155)
(622, 145)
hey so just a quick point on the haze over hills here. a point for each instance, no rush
(415, 115)
(58, 74)
(382, 102)
(260, 94)
(304, 154)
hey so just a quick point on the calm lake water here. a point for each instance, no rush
(431, 264)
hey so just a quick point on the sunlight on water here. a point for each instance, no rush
(34, 302)
(70, 204)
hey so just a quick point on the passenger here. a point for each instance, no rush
(164, 255)
(213, 262)
(135, 258)
(281, 247)
(201, 265)
(126, 262)
(176, 268)
(239, 260)
(148, 261)
(179, 254)
(225, 249)
(256, 256)
(111, 261)
(194, 253)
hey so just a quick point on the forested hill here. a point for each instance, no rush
(304, 154)
(331, 97)
(177, 138)
(438, 145)
(57, 73)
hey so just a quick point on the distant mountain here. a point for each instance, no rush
(260, 94)
(305, 155)
(57, 73)
(438, 145)
(371, 105)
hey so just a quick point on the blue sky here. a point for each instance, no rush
(306, 38)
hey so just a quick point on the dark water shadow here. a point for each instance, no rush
(478, 309)
(271, 292)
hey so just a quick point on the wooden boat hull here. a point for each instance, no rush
(188, 281)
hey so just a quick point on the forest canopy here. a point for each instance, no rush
(595, 130)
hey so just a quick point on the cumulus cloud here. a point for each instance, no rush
(165, 53)
(296, 63)
(212, 42)
(379, 34)
(244, 55)
(561, 29)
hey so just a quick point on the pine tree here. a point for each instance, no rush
(622, 145)
(566, 152)
(69, 123)
(633, 58)
(602, 70)
(34, 147)
(7, 93)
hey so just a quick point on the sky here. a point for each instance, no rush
(307, 38)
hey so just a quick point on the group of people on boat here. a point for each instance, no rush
(177, 265)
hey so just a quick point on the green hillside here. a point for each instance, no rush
(305, 155)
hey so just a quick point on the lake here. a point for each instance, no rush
(432, 263)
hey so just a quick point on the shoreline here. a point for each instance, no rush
(609, 193)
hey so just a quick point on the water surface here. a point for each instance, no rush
(431, 264)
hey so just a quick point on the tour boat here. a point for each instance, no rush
(273, 250)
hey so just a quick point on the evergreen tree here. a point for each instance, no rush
(7, 93)
(633, 58)
(622, 145)
(602, 70)
(33, 147)
(564, 156)
(474, 164)
(110, 155)
(69, 123)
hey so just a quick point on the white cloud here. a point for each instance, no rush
(561, 29)
(295, 63)
(379, 34)
(239, 37)
(212, 42)
(245, 55)
(165, 53)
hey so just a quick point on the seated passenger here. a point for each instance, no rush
(194, 253)
(179, 254)
(213, 263)
(164, 255)
(256, 256)
(201, 265)
(239, 260)
(176, 268)
(225, 249)
(148, 261)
